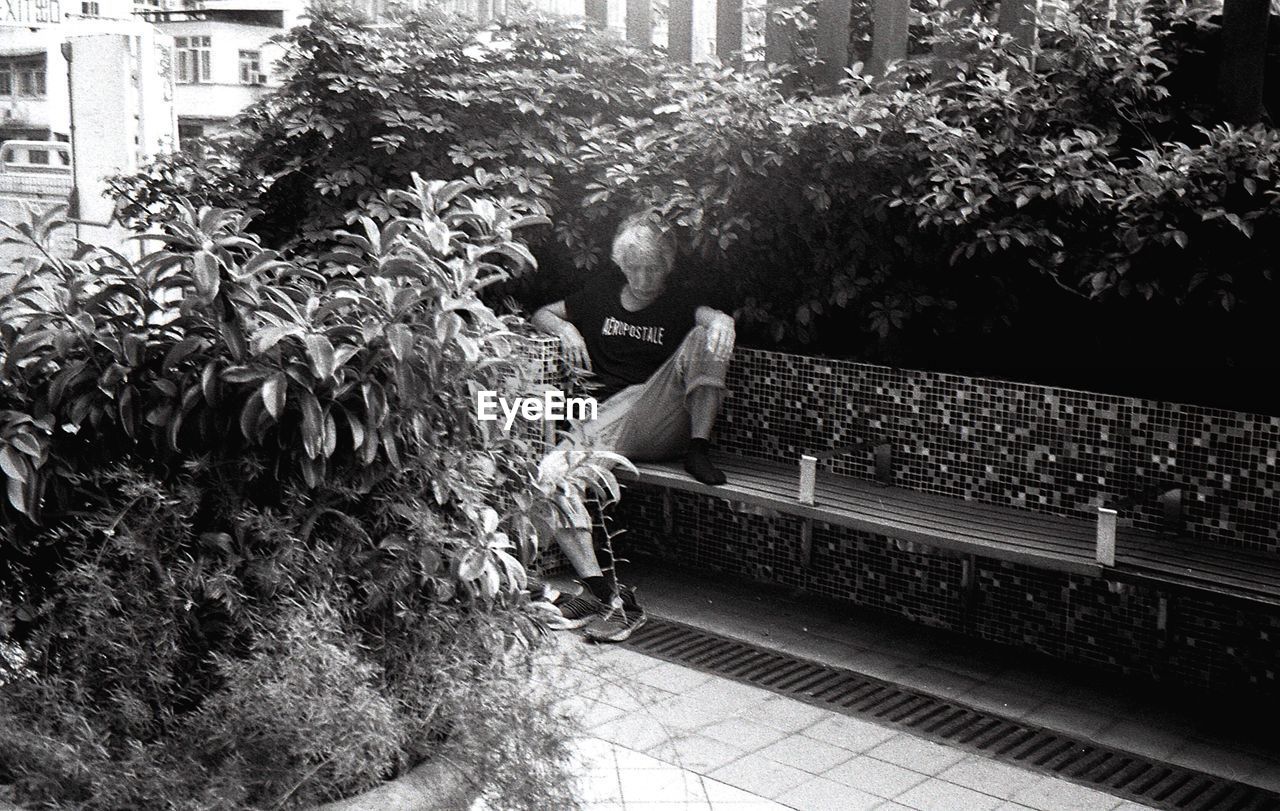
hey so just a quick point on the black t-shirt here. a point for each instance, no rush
(628, 347)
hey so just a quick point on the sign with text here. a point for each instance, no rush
(30, 12)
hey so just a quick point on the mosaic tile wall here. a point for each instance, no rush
(1041, 448)
(1076, 618)
(541, 356)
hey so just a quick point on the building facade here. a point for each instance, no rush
(224, 58)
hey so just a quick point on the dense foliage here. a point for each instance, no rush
(982, 197)
(256, 550)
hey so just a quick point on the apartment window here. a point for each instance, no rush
(89, 8)
(251, 67)
(22, 77)
(193, 59)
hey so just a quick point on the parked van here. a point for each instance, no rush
(35, 157)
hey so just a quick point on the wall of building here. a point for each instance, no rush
(224, 95)
(117, 90)
(52, 111)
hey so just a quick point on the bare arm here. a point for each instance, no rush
(720, 331)
(553, 319)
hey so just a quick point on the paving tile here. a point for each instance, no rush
(750, 735)
(849, 733)
(963, 661)
(633, 731)
(939, 681)
(591, 713)
(1052, 794)
(812, 755)
(669, 785)
(1216, 760)
(989, 776)
(1134, 736)
(917, 754)
(761, 776)
(614, 662)
(601, 789)
(672, 678)
(874, 776)
(670, 806)
(628, 695)
(821, 794)
(1267, 777)
(1070, 718)
(684, 713)
(723, 795)
(785, 714)
(1003, 700)
(880, 665)
(697, 753)
(722, 691)
(604, 807)
(939, 795)
(592, 754)
(628, 758)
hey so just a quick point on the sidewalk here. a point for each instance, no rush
(663, 736)
(660, 735)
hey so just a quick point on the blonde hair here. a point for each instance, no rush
(646, 235)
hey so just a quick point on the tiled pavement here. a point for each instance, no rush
(661, 736)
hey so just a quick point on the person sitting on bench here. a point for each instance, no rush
(660, 358)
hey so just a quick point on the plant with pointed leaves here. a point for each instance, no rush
(197, 442)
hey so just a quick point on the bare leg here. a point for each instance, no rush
(577, 547)
(704, 404)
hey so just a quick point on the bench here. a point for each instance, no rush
(928, 522)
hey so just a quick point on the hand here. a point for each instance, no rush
(575, 348)
(721, 337)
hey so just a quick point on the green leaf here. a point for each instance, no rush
(27, 444)
(274, 392)
(471, 564)
(320, 353)
(17, 492)
(14, 464)
(206, 275)
(312, 426)
(400, 339)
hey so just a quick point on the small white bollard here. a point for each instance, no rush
(1106, 551)
(808, 478)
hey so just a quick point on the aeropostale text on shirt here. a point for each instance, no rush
(613, 326)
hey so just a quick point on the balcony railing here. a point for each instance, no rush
(697, 29)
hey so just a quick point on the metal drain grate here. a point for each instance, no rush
(1123, 774)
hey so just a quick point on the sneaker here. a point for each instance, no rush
(578, 611)
(622, 620)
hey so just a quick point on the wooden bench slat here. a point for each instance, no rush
(1055, 542)
(1161, 575)
(837, 491)
(1193, 554)
(1255, 571)
(768, 491)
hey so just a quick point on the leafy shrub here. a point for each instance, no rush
(256, 549)
(888, 225)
